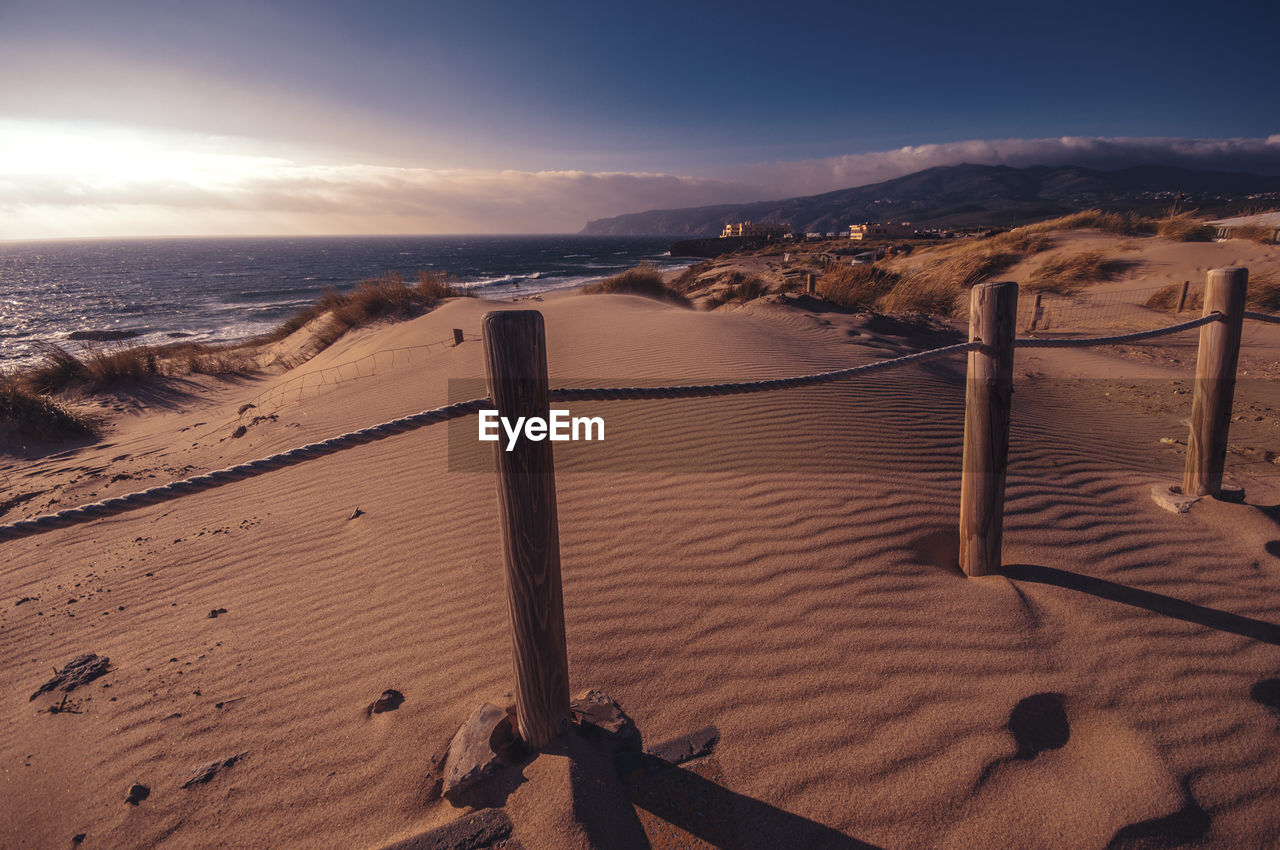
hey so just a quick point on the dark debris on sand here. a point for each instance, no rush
(78, 671)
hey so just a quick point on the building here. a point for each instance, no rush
(869, 230)
(762, 231)
(1227, 227)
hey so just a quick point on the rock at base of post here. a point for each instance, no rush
(1171, 498)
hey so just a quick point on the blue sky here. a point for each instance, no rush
(133, 118)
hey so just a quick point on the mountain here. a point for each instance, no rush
(967, 196)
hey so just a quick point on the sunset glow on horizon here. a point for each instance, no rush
(148, 120)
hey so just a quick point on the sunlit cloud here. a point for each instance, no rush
(69, 180)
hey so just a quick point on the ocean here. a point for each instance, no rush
(218, 289)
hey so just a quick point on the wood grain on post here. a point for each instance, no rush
(1215, 382)
(515, 358)
(993, 317)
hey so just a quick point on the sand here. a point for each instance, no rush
(779, 565)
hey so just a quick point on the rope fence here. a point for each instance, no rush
(515, 359)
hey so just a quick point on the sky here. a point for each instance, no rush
(146, 118)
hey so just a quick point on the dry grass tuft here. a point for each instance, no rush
(1166, 298)
(859, 287)
(936, 296)
(644, 279)
(1254, 233)
(37, 416)
(1125, 224)
(1263, 293)
(384, 297)
(1184, 228)
(740, 288)
(1067, 274)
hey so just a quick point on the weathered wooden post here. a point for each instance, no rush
(457, 337)
(993, 318)
(515, 357)
(810, 285)
(1037, 313)
(1182, 299)
(1215, 382)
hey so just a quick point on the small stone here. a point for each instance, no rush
(603, 719)
(1231, 493)
(687, 747)
(1172, 498)
(206, 772)
(137, 793)
(483, 745)
(390, 700)
(240, 431)
(244, 408)
(213, 615)
(78, 837)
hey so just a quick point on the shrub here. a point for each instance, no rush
(1184, 228)
(644, 279)
(37, 416)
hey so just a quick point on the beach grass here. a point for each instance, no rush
(38, 416)
(645, 279)
(1184, 228)
(1067, 274)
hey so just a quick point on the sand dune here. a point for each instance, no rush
(779, 565)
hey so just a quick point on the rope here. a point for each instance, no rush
(243, 471)
(240, 472)
(1262, 317)
(708, 390)
(1119, 338)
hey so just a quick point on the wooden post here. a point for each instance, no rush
(810, 286)
(1182, 299)
(1215, 382)
(515, 358)
(1037, 313)
(457, 337)
(993, 318)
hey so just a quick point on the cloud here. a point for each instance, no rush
(788, 179)
(111, 181)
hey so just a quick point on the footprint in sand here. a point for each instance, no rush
(1074, 779)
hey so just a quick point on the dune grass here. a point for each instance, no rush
(1184, 228)
(37, 416)
(645, 279)
(385, 297)
(1263, 295)
(1254, 233)
(1123, 224)
(859, 287)
(1067, 274)
(740, 288)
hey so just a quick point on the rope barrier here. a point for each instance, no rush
(333, 445)
(1119, 338)
(239, 472)
(1262, 317)
(243, 471)
(709, 390)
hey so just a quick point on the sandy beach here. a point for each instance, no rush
(781, 566)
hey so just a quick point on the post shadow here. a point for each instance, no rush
(1158, 603)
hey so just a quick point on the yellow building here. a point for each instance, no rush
(868, 230)
(747, 228)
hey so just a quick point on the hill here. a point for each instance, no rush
(967, 196)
